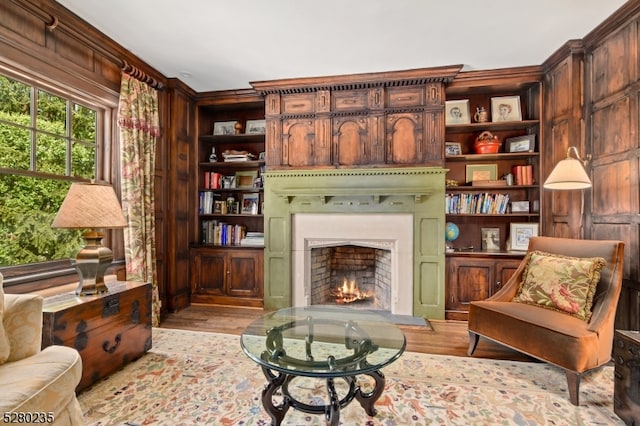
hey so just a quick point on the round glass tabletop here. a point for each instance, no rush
(323, 341)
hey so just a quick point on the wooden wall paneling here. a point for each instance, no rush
(404, 137)
(563, 104)
(180, 204)
(612, 85)
(350, 140)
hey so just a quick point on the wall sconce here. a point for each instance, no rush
(569, 173)
(91, 206)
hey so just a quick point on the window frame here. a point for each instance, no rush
(37, 276)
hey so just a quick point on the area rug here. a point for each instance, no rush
(191, 378)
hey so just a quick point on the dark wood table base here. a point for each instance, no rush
(332, 411)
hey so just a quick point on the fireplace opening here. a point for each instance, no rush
(350, 274)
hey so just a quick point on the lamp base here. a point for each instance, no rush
(91, 263)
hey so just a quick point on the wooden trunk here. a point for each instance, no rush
(109, 330)
(626, 392)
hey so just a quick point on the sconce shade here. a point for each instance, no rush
(91, 206)
(568, 174)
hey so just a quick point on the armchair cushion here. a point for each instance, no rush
(561, 283)
(5, 350)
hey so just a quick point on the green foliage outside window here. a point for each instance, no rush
(33, 184)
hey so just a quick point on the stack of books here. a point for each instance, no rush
(243, 156)
(253, 239)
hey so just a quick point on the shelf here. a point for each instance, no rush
(231, 164)
(478, 253)
(236, 190)
(231, 246)
(494, 157)
(218, 215)
(468, 188)
(503, 125)
(242, 138)
(492, 215)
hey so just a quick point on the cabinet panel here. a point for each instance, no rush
(298, 103)
(349, 100)
(245, 274)
(404, 137)
(209, 273)
(474, 278)
(298, 138)
(351, 141)
(405, 96)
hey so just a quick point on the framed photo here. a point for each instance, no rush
(250, 203)
(481, 172)
(526, 143)
(490, 239)
(520, 235)
(506, 108)
(245, 179)
(457, 112)
(519, 207)
(452, 148)
(224, 128)
(254, 127)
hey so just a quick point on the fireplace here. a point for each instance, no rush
(396, 210)
(390, 234)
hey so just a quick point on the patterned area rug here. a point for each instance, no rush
(205, 378)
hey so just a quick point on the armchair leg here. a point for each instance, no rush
(473, 342)
(573, 383)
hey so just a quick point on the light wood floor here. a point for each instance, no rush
(447, 337)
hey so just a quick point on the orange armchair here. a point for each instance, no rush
(570, 343)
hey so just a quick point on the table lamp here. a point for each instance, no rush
(569, 173)
(91, 206)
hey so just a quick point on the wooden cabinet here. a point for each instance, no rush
(472, 278)
(109, 330)
(226, 265)
(377, 119)
(229, 276)
(626, 390)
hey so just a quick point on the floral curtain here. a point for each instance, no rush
(139, 129)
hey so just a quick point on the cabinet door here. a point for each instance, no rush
(208, 273)
(504, 270)
(469, 280)
(244, 273)
(298, 139)
(403, 135)
(350, 140)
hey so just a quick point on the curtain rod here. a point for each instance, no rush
(138, 74)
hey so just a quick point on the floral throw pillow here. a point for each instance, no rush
(562, 283)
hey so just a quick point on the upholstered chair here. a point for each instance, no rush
(37, 386)
(563, 332)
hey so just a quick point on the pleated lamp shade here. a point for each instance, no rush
(90, 206)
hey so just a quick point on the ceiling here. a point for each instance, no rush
(225, 44)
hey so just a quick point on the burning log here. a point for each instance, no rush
(350, 293)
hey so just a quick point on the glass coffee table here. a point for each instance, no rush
(325, 342)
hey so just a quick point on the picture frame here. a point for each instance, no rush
(250, 203)
(505, 108)
(457, 112)
(255, 127)
(476, 172)
(452, 148)
(225, 127)
(490, 239)
(525, 143)
(245, 179)
(520, 233)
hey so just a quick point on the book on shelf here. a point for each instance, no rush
(221, 233)
(523, 174)
(476, 203)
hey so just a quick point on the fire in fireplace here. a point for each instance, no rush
(349, 292)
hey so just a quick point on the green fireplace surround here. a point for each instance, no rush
(413, 190)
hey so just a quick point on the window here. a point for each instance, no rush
(47, 141)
